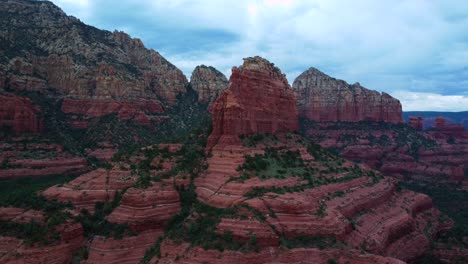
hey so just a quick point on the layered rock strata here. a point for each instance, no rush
(27, 159)
(208, 82)
(258, 100)
(326, 99)
(99, 185)
(147, 209)
(189, 255)
(57, 55)
(18, 115)
(128, 250)
(440, 153)
(13, 250)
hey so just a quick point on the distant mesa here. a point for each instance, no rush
(325, 99)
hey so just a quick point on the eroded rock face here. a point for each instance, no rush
(361, 211)
(96, 186)
(441, 153)
(444, 129)
(140, 111)
(208, 82)
(146, 209)
(258, 100)
(19, 215)
(57, 55)
(323, 98)
(13, 250)
(19, 115)
(192, 255)
(30, 159)
(128, 250)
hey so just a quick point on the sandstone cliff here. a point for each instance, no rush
(258, 100)
(18, 115)
(44, 50)
(208, 82)
(323, 98)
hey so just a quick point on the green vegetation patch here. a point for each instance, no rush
(24, 193)
(275, 163)
(259, 138)
(321, 242)
(452, 200)
(96, 224)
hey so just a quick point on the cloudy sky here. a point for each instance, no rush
(415, 50)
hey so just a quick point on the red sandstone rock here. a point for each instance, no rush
(323, 98)
(97, 186)
(242, 231)
(443, 159)
(258, 100)
(19, 173)
(145, 209)
(184, 254)
(95, 108)
(13, 250)
(416, 122)
(19, 115)
(444, 130)
(103, 154)
(21, 216)
(129, 250)
(451, 254)
(97, 71)
(23, 158)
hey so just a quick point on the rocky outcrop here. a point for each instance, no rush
(97, 186)
(416, 122)
(19, 115)
(13, 250)
(208, 82)
(142, 111)
(146, 209)
(21, 216)
(438, 154)
(258, 100)
(443, 129)
(323, 98)
(128, 250)
(45, 50)
(190, 255)
(363, 211)
(27, 159)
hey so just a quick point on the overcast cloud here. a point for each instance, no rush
(415, 50)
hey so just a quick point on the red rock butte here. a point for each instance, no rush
(258, 100)
(325, 99)
(416, 122)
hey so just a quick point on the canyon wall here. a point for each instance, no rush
(324, 99)
(45, 51)
(19, 115)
